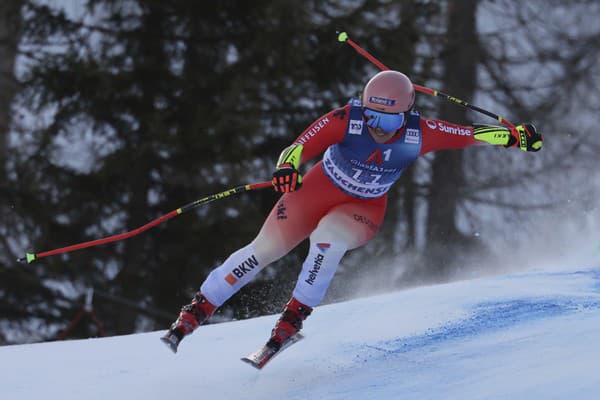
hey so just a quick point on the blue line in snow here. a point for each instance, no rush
(489, 317)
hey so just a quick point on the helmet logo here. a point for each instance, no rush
(382, 100)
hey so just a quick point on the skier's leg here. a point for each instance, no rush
(292, 219)
(222, 283)
(191, 316)
(345, 227)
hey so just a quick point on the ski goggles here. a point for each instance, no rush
(388, 122)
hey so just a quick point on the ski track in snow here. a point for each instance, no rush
(494, 316)
(532, 335)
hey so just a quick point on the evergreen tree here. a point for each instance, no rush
(446, 243)
(175, 101)
(142, 106)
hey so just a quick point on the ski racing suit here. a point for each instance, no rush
(342, 202)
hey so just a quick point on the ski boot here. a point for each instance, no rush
(190, 317)
(289, 323)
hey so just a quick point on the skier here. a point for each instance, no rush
(367, 145)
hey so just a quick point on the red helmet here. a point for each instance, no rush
(390, 92)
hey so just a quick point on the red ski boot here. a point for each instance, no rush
(190, 317)
(289, 323)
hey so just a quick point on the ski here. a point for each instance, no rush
(262, 356)
(171, 340)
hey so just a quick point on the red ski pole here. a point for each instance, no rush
(343, 37)
(30, 257)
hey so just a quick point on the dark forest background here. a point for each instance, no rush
(114, 112)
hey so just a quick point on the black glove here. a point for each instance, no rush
(286, 177)
(527, 138)
(524, 136)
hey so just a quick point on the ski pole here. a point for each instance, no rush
(30, 257)
(343, 37)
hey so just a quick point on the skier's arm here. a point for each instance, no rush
(524, 136)
(440, 135)
(322, 133)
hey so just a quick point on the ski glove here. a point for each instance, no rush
(528, 138)
(286, 177)
(524, 136)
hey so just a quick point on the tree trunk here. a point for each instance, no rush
(460, 62)
(9, 41)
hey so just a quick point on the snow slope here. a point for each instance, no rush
(532, 335)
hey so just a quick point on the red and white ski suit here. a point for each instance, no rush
(334, 219)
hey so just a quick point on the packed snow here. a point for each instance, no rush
(529, 335)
